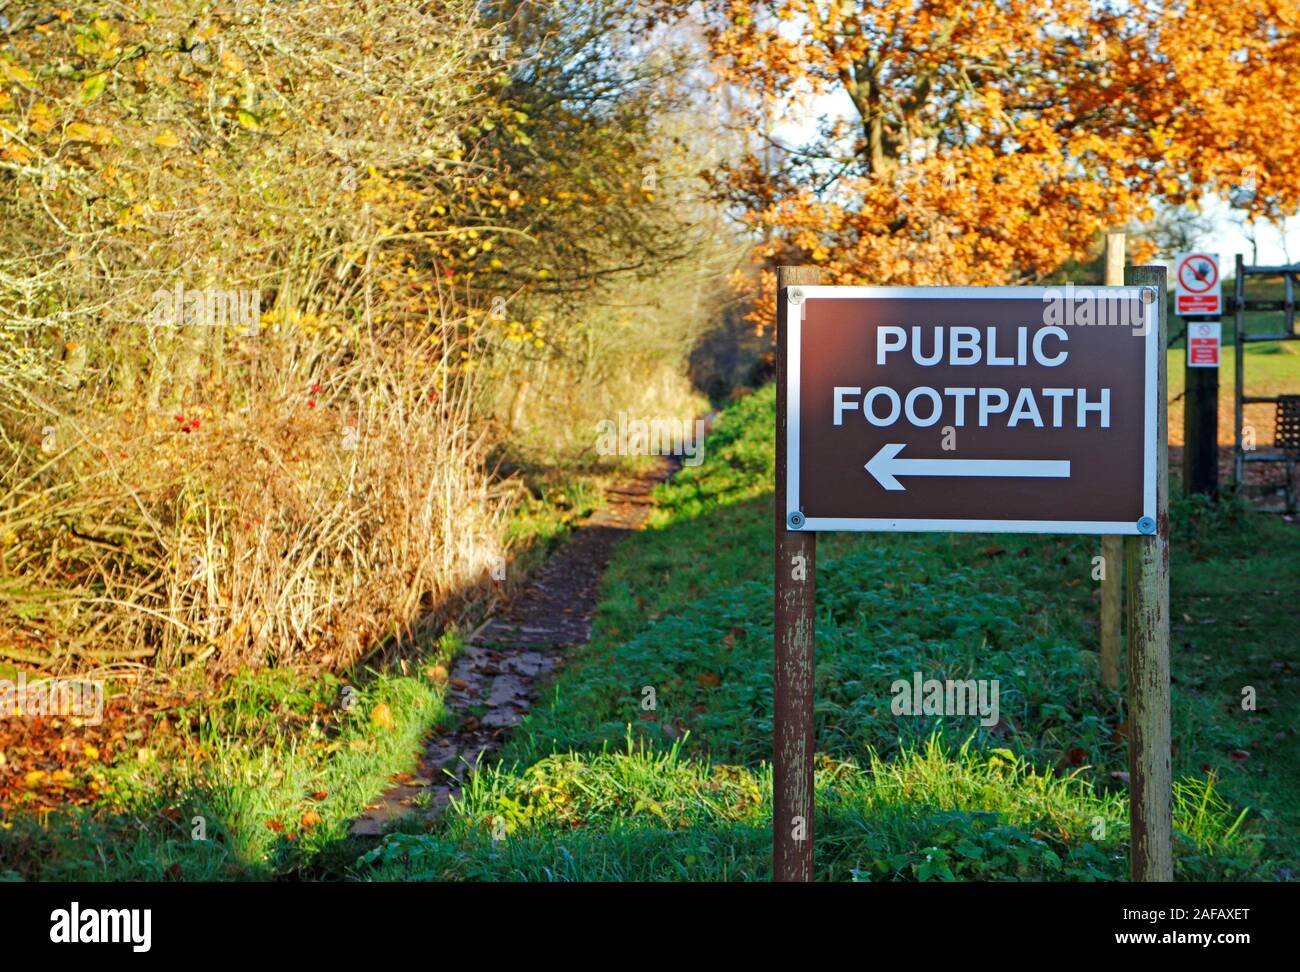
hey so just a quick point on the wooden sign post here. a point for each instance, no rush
(795, 650)
(1199, 301)
(971, 409)
(1201, 408)
(1150, 736)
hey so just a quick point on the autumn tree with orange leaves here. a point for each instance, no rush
(987, 141)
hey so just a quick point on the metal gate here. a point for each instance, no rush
(1286, 440)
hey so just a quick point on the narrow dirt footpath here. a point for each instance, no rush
(493, 683)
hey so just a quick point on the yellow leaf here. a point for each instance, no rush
(34, 777)
(92, 87)
(249, 120)
(39, 118)
(167, 139)
(382, 716)
(16, 71)
(81, 132)
(91, 751)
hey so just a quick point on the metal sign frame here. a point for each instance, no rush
(794, 516)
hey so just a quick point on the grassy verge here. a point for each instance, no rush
(598, 785)
(260, 782)
(257, 778)
(1272, 368)
(933, 813)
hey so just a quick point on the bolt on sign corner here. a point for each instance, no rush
(1006, 409)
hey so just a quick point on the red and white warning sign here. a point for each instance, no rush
(1198, 288)
(1203, 344)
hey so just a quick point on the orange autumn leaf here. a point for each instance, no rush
(986, 142)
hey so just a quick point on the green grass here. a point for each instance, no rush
(594, 786)
(272, 767)
(932, 813)
(251, 764)
(270, 748)
(1234, 579)
(1257, 322)
(1272, 367)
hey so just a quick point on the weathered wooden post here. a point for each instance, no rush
(1147, 568)
(1198, 300)
(1112, 547)
(793, 636)
(1200, 428)
(857, 450)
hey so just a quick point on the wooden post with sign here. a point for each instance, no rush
(793, 634)
(1149, 740)
(896, 413)
(1112, 547)
(1199, 302)
(1200, 427)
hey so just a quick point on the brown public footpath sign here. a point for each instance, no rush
(1010, 409)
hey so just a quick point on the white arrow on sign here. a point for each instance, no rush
(886, 467)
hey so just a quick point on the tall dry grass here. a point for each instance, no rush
(181, 491)
(304, 518)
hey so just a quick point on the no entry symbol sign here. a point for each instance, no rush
(1203, 345)
(1197, 283)
(1012, 409)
